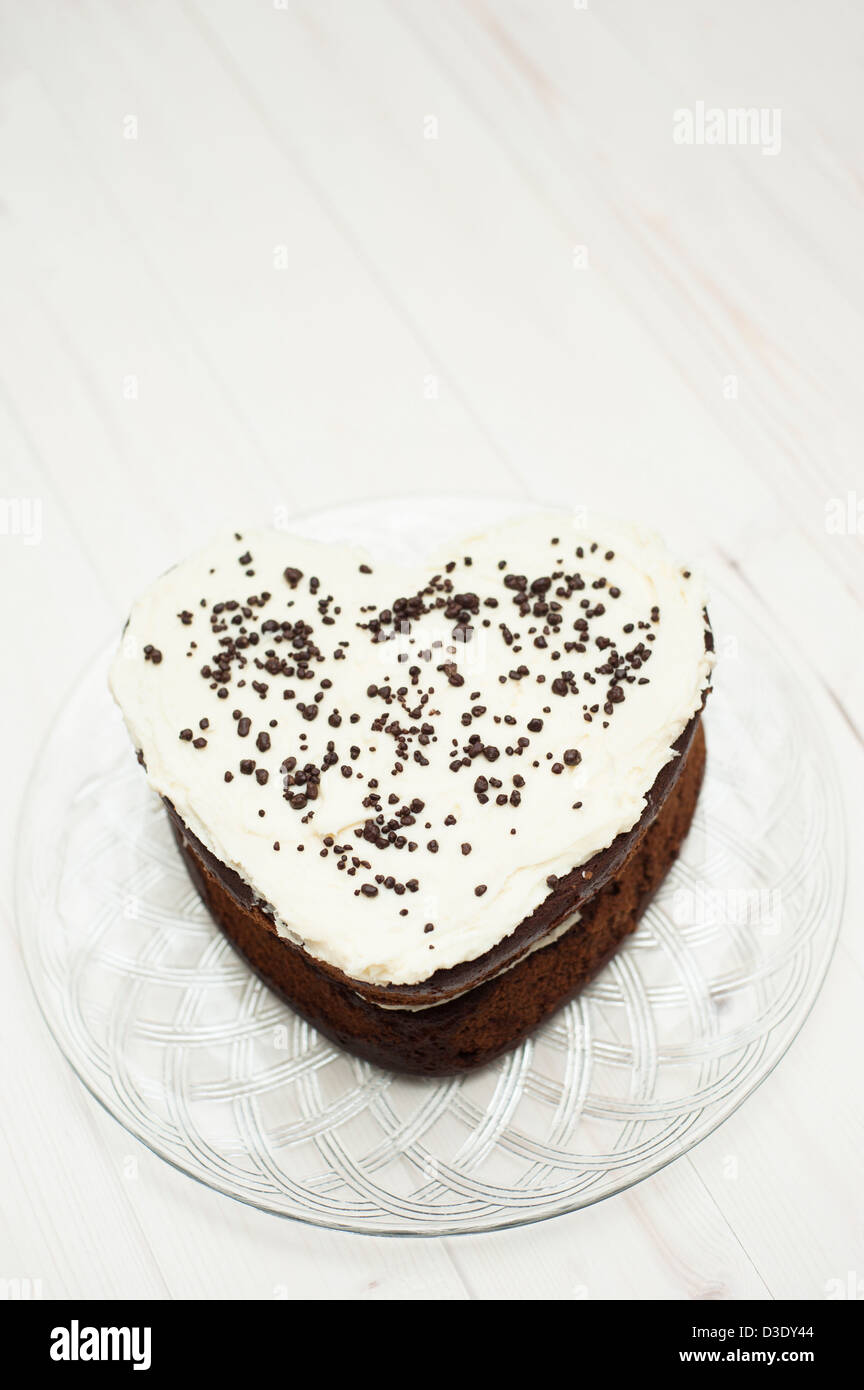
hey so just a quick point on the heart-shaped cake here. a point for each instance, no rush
(426, 805)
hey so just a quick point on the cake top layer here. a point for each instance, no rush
(401, 763)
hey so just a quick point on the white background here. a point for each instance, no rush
(261, 256)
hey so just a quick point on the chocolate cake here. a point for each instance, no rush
(425, 806)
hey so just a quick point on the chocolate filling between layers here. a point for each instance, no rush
(572, 892)
(471, 1029)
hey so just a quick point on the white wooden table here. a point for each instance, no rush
(262, 256)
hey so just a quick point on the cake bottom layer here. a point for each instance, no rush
(470, 1030)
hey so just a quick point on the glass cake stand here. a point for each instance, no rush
(168, 1028)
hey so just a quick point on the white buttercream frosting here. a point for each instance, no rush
(555, 815)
